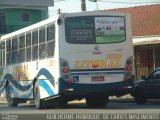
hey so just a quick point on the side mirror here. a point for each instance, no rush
(143, 77)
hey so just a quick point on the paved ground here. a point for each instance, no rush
(126, 97)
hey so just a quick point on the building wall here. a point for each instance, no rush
(44, 14)
(13, 17)
(45, 3)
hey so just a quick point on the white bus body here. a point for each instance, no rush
(68, 57)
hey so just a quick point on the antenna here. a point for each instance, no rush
(83, 5)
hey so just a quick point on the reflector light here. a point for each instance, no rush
(65, 89)
(125, 87)
(68, 89)
(129, 68)
(65, 70)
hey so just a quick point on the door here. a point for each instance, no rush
(156, 84)
(151, 89)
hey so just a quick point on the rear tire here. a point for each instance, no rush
(139, 98)
(37, 100)
(12, 102)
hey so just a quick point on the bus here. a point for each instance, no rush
(71, 56)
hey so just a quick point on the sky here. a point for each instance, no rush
(71, 6)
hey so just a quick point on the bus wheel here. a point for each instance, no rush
(37, 100)
(96, 101)
(12, 102)
(139, 99)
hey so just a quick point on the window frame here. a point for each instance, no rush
(49, 26)
(2, 53)
(15, 38)
(20, 41)
(50, 41)
(34, 37)
(35, 44)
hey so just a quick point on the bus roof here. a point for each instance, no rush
(31, 27)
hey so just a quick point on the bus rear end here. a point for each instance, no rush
(96, 56)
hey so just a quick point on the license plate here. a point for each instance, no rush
(97, 78)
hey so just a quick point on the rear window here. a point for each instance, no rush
(95, 30)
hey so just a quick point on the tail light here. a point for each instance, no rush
(128, 68)
(65, 71)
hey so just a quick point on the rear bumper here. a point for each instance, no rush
(110, 89)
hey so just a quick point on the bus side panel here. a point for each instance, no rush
(46, 89)
(21, 78)
(21, 89)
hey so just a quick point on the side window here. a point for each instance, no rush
(35, 37)
(21, 55)
(4, 56)
(14, 50)
(28, 54)
(34, 52)
(22, 41)
(22, 48)
(2, 46)
(157, 75)
(42, 35)
(14, 57)
(50, 32)
(14, 43)
(50, 40)
(9, 53)
(2, 53)
(28, 46)
(151, 77)
(35, 45)
(28, 39)
(9, 58)
(51, 47)
(42, 44)
(1, 59)
(8, 44)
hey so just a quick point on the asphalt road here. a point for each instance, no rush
(116, 109)
(122, 106)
